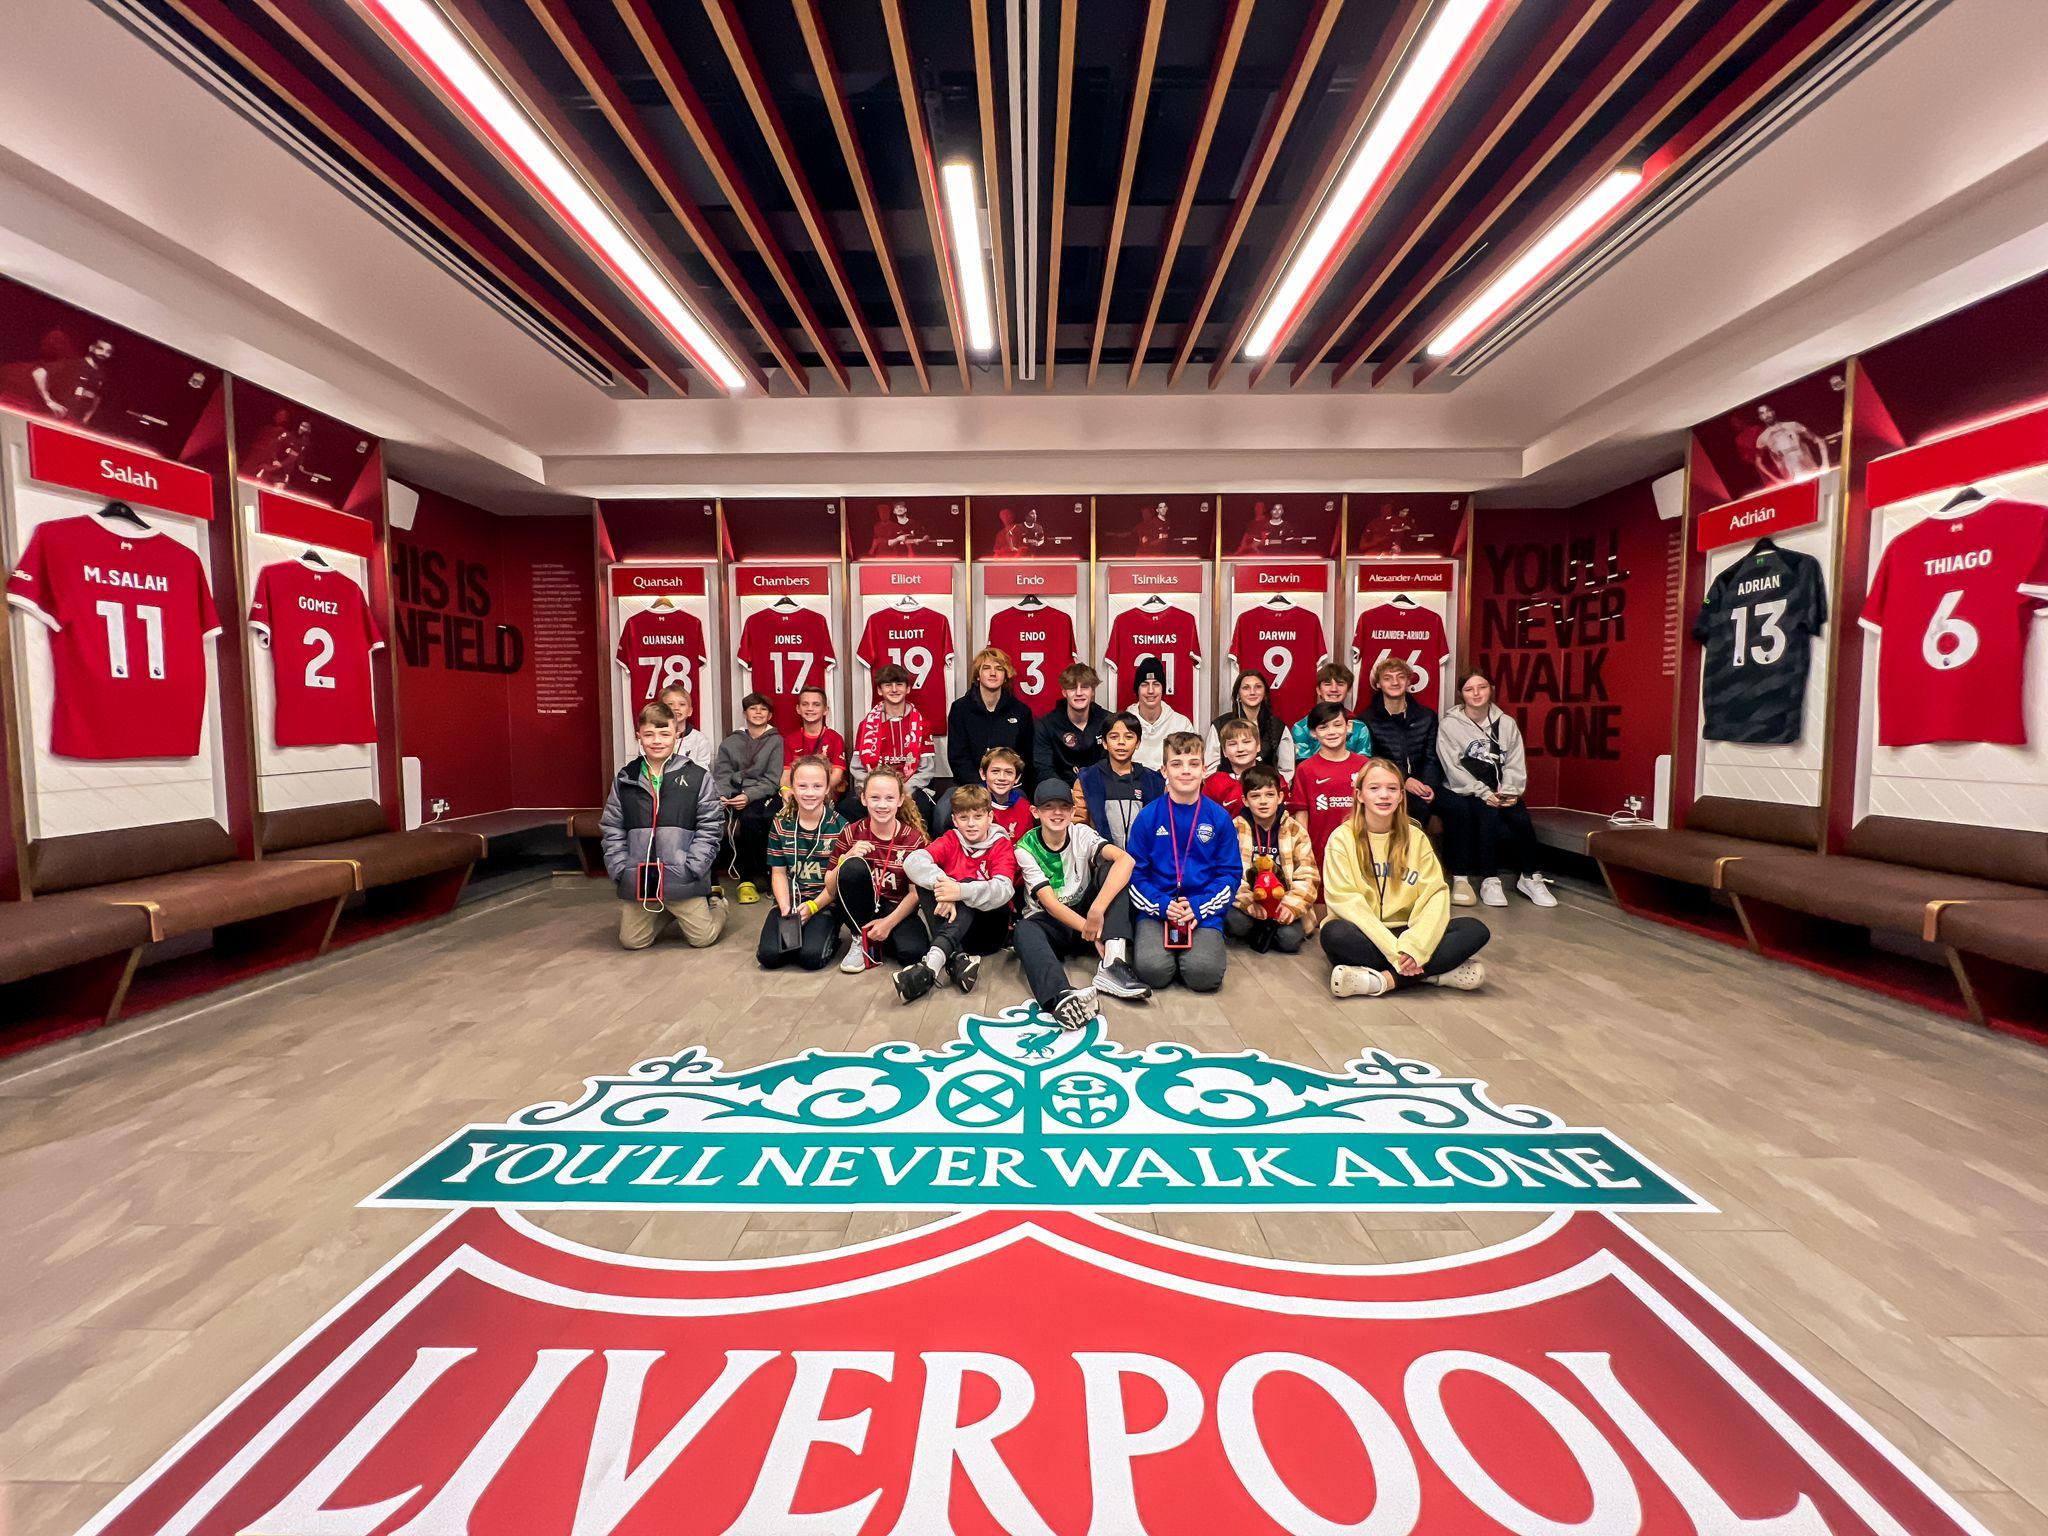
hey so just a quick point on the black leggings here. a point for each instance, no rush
(859, 906)
(970, 929)
(813, 951)
(1346, 944)
(746, 833)
(1481, 840)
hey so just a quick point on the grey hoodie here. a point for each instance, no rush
(981, 895)
(1461, 740)
(748, 765)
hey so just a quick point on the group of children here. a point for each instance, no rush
(1258, 835)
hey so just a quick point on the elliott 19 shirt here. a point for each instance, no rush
(1040, 644)
(662, 648)
(919, 640)
(786, 650)
(1287, 644)
(1408, 631)
(129, 613)
(1168, 634)
(321, 635)
(1952, 602)
(1757, 622)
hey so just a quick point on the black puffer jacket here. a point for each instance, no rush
(972, 730)
(1407, 740)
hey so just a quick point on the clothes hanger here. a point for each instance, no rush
(1402, 600)
(1030, 600)
(907, 603)
(311, 556)
(120, 511)
(1968, 493)
(1153, 603)
(1278, 600)
(662, 602)
(785, 602)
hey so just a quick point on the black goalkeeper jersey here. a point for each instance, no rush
(1757, 623)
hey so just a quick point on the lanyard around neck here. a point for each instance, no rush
(1173, 837)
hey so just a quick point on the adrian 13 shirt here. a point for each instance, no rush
(662, 648)
(1040, 644)
(1408, 631)
(1758, 622)
(129, 614)
(919, 640)
(1168, 634)
(321, 634)
(1952, 602)
(1287, 644)
(786, 650)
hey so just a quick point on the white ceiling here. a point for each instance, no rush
(1919, 186)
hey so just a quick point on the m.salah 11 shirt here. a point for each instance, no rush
(321, 634)
(1952, 602)
(129, 613)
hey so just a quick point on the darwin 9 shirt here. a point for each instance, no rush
(920, 640)
(1408, 631)
(662, 648)
(1040, 644)
(1169, 634)
(786, 650)
(1757, 622)
(321, 635)
(129, 613)
(1952, 603)
(1287, 644)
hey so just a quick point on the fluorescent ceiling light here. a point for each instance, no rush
(1557, 241)
(420, 28)
(963, 229)
(1372, 161)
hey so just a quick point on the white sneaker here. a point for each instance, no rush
(856, 960)
(1490, 892)
(1466, 978)
(1533, 887)
(1461, 892)
(1357, 981)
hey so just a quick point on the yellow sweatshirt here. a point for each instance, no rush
(1409, 919)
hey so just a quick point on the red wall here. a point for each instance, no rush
(1573, 614)
(497, 657)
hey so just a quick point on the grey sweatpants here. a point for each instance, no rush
(1199, 967)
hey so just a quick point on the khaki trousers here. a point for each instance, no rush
(701, 920)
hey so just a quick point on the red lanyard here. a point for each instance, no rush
(1267, 843)
(1173, 839)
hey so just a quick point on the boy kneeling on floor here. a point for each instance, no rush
(1188, 869)
(965, 880)
(1075, 901)
(661, 829)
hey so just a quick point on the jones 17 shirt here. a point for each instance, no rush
(1040, 644)
(1408, 631)
(1166, 633)
(662, 648)
(1952, 603)
(919, 640)
(321, 634)
(1757, 622)
(786, 650)
(1287, 644)
(129, 613)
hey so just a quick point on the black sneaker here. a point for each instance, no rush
(913, 981)
(965, 969)
(1075, 1010)
(1118, 979)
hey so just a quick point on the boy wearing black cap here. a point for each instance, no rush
(1157, 719)
(1074, 900)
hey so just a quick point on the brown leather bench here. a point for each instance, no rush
(588, 836)
(63, 966)
(402, 876)
(1895, 877)
(1670, 874)
(1999, 953)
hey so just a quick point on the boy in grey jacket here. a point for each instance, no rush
(660, 832)
(748, 773)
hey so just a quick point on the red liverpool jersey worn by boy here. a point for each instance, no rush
(1323, 792)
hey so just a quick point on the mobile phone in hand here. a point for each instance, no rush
(1179, 935)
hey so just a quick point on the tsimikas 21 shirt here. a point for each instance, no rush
(321, 634)
(1040, 644)
(1953, 601)
(662, 648)
(786, 650)
(129, 613)
(919, 640)
(1166, 633)
(1409, 631)
(1758, 622)
(1287, 644)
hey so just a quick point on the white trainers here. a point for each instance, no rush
(856, 960)
(1466, 978)
(1357, 981)
(1533, 887)
(1461, 892)
(1490, 892)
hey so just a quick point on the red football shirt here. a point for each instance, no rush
(1414, 634)
(662, 648)
(920, 640)
(1287, 644)
(1167, 633)
(786, 650)
(1323, 792)
(129, 614)
(1040, 644)
(1953, 601)
(321, 633)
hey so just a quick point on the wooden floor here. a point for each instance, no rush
(177, 1197)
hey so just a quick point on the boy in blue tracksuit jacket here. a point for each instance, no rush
(1188, 869)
